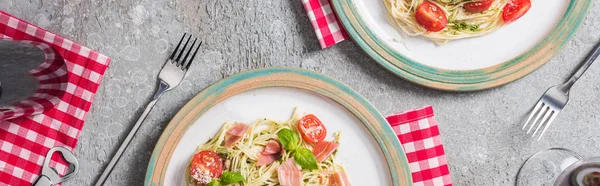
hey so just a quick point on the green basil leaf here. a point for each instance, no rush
(289, 139)
(305, 159)
(231, 177)
(214, 182)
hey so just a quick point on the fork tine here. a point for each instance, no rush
(188, 53)
(539, 115)
(554, 114)
(543, 122)
(535, 110)
(177, 48)
(182, 51)
(193, 56)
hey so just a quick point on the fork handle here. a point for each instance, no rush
(115, 159)
(582, 68)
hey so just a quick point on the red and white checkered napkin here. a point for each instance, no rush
(418, 132)
(25, 140)
(327, 26)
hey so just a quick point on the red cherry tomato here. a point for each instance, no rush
(206, 163)
(431, 17)
(478, 6)
(311, 129)
(514, 9)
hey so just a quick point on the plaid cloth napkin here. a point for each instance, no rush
(25, 140)
(418, 132)
(327, 27)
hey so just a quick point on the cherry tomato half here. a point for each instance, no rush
(514, 9)
(204, 162)
(311, 129)
(431, 17)
(478, 6)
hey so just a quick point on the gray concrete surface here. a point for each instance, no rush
(480, 130)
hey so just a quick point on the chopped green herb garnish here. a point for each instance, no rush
(464, 26)
(223, 155)
(474, 28)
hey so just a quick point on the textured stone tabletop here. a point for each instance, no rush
(480, 130)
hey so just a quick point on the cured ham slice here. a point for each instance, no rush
(235, 134)
(289, 174)
(273, 151)
(324, 149)
(339, 178)
(272, 147)
(265, 159)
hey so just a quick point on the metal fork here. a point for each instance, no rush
(555, 99)
(169, 77)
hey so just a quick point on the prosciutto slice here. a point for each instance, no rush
(324, 149)
(273, 151)
(272, 147)
(265, 159)
(235, 134)
(289, 174)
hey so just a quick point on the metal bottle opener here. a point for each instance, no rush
(49, 175)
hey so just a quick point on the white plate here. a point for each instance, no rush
(473, 53)
(359, 152)
(369, 150)
(505, 55)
